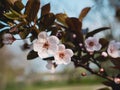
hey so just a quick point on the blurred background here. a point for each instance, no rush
(16, 73)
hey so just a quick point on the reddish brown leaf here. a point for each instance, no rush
(31, 9)
(84, 12)
(103, 42)
(116, 62)
(61, 17)
(93, 32)
(47, 20)
(45, 9)
(74, 25)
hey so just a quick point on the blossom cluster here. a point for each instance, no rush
(92, 44)
(47, 46)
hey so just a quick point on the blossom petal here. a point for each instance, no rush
(53, 48)
(67, 59)
(61, 47)
(37, 46)
(53, 40)
(42, 36)
(43, 54)
(69, 52)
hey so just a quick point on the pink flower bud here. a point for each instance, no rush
(8, 38)
(117, 80)
(104, 54)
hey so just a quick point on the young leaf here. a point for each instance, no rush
(61, 17)
(47, 20)
(74, 25)
(103, 42)
(18, 5)
(92, 33)
(32, 55)
(24, 33)
(83, 13)
(116, 62)
(31, 9)
(45, 9)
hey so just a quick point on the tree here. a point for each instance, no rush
(58, 38)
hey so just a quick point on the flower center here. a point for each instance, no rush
(61, 55)
(91, 43)
(46, 45)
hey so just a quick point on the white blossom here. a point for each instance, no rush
(8, 38)
(63, 56)
(92, 44)
(45, 45)
(114, 49)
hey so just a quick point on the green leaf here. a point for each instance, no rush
(32, 55)
(83, 13)
(45, 9)
(11, 15)
(61, 17)
(31, 9)
(92, 33)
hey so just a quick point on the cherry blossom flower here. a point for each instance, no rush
(63, 56)
(8, 38)
(114, 49)
(45, 45)
(92, 44)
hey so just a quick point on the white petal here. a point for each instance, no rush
(67, 60)
(58, 61)
(37, 46)
(42, 36)
(53, 40)
(61, 47)
(69, 52)
(43, 54)
(53, 48)
(97, 47)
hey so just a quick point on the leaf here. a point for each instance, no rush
(12, 16)
(18, 5)
(61, 17)
(104, 88)
(48, 58)
(103, 42)
(92, 33)
(45, 9)
(74, 25)
(31, 9)
(107, 83)
(116, 62)
(47, 20)
(32, 55)
(84, 12)
(24, 32)
(2, 25)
